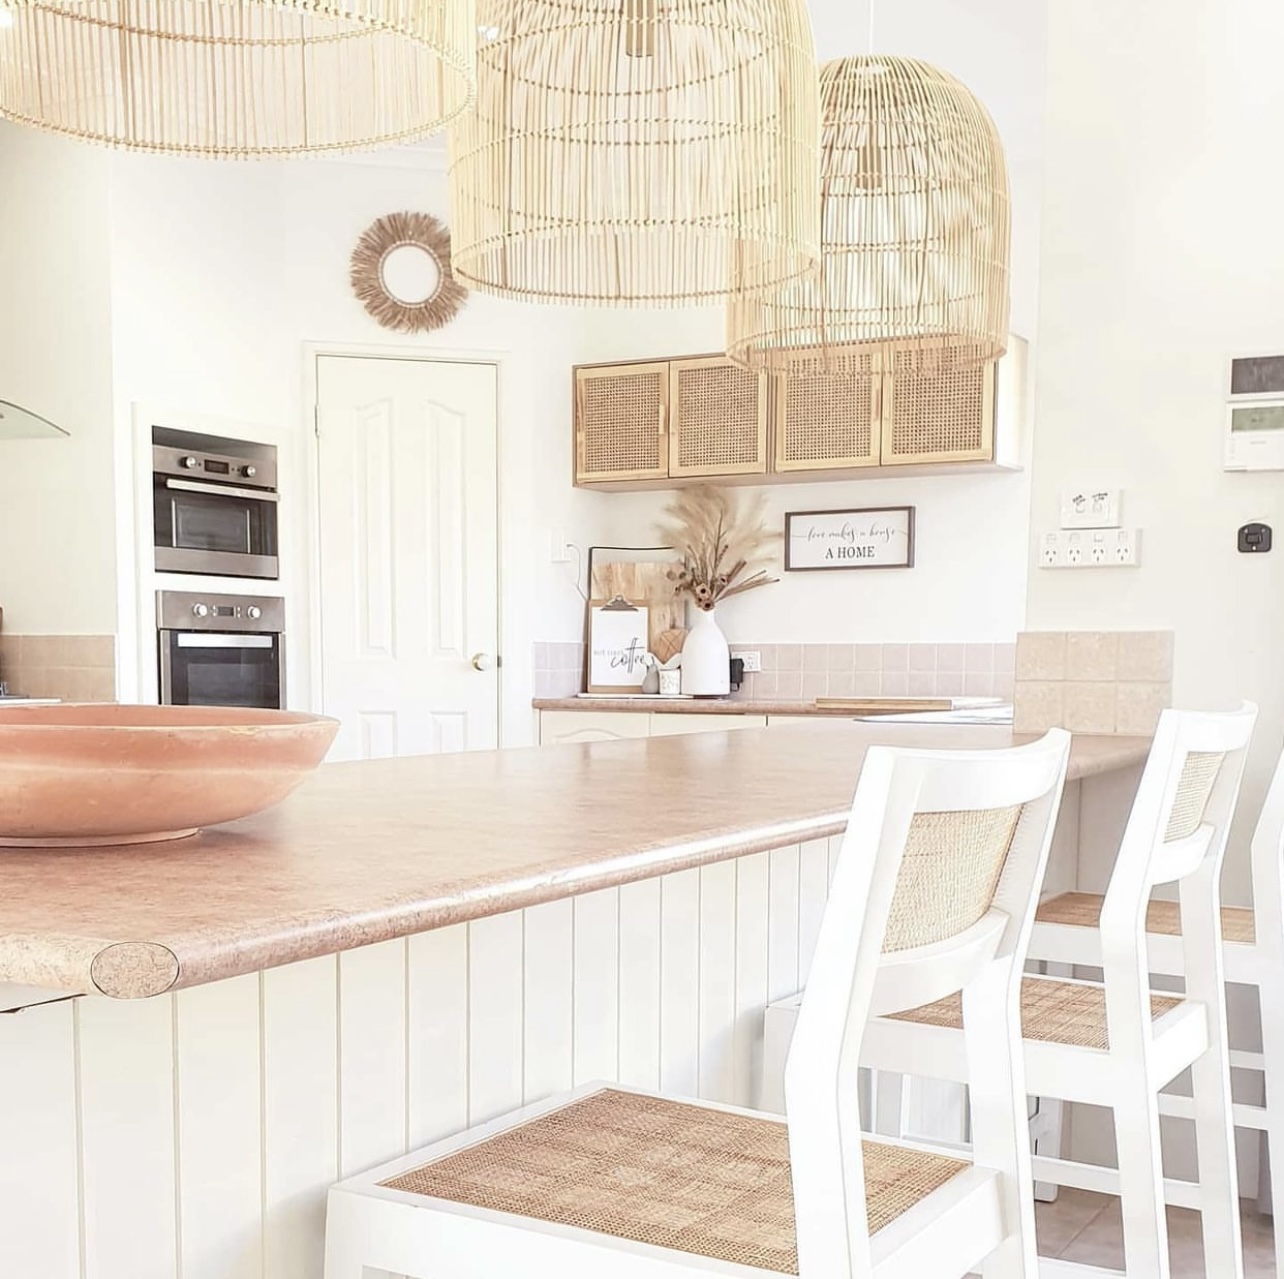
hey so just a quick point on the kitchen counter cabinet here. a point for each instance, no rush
(403, 948)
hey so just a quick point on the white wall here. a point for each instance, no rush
(57, 573)
(1161, 258)
(222, 274)
(970, 576)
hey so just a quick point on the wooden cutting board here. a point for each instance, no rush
(885, 705)
(642, 584)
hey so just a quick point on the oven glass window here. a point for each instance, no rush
(224, 670)
(209, 522)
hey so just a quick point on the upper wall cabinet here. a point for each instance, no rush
(665, 423)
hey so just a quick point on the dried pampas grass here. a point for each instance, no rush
(724, 542)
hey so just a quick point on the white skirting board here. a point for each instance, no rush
(193, 1136)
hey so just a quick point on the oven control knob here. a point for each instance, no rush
(254, 612)
(249, 471)
(189, 461)
(200, 610)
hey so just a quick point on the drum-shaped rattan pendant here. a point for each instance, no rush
(638, 152)
(915, 227)
(237, 78)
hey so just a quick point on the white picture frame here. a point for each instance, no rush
(860, 538)
(618, 645)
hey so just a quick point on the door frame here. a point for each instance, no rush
(312, 353)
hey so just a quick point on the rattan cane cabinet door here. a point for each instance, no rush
(948, 417)
(826, 423)
(719, 418)
(621, 422)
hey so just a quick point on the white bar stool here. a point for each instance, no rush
(614, 1181)
(1067, 930)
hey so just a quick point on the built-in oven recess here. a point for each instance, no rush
(214, 504)
(221, 650)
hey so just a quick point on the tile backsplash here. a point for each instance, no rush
(803, 672)
(72, 668)
(1092, 681)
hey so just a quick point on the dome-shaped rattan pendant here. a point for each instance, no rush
(237, 78)
(915, 229)
(638, 152)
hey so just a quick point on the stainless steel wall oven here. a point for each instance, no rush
(214, 505)
(221, 650)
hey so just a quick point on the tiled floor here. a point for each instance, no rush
(1085, 1227)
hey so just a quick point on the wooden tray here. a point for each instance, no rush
(885, 705)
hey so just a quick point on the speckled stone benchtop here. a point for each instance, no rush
(369, 851)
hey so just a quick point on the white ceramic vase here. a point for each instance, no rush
(706, 659)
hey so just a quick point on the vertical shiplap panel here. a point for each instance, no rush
(372, 1056)
(597, 986)
(835, 848)
(300, 1113)
(548, 1057)
(680, 983)
(640, 984)
(813, 890)
(437, 1034)
(128, 1138)
(782, 924)
(752, 894)
(220, 1130)
(494, 1016)
(717, 980)
(39, 1205)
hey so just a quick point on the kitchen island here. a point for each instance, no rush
(403, 948)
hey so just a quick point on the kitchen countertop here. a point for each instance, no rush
(369, 851)
(728, 705)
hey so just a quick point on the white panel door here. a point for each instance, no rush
(409, 554)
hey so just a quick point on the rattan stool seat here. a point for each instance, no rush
(1054, 1012)
(670, 1174)
(1083, 910)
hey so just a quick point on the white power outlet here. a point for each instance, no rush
(1092, 506)
(1090, 548)
(752, 659)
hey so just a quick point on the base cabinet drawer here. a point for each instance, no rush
(557, 728)
(682, 722)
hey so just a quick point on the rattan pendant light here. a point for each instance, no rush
(915, 259)
(638, 152)
(237, 78)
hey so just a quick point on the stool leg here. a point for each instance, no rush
(1271, 1002)
(1215, 1147)
(1141, 1185)
(344, 1239)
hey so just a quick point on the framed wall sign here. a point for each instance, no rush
(617, 646)
(867, 537)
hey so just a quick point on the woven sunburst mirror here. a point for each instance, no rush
(401, 273)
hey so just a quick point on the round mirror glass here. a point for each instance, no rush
(410, 274)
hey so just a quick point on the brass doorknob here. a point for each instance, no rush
(483, 662)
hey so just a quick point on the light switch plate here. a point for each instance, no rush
(1092, 506)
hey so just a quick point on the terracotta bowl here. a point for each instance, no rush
(106, 774)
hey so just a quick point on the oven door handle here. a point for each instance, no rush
(222, 490)
(198, 639)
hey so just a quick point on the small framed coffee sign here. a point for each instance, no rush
(867, 537)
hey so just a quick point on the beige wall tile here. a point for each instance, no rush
(1041, 655)
(951, 657)
(1037, 706)
(1004, 659)
(101, 651)
(789, 657)
(895, 657)
(1092, 655)
(979, 657)
(768, 652)
(922, 657)
(842, 683)
(814, 686)
(978, 684)
(764, 685)
(1004, 685)
(895, 684)
(1089, 707)
(922, 683)
(815, 660)
(949, 684)
(869, 657)
(789, 686)
(867, 683)
(842, 657)
(1145, 656)
(1137, 707)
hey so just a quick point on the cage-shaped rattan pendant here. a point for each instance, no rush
(638, 152)
(915, 233)
(237, 78)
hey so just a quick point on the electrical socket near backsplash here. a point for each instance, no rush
(751, 657)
